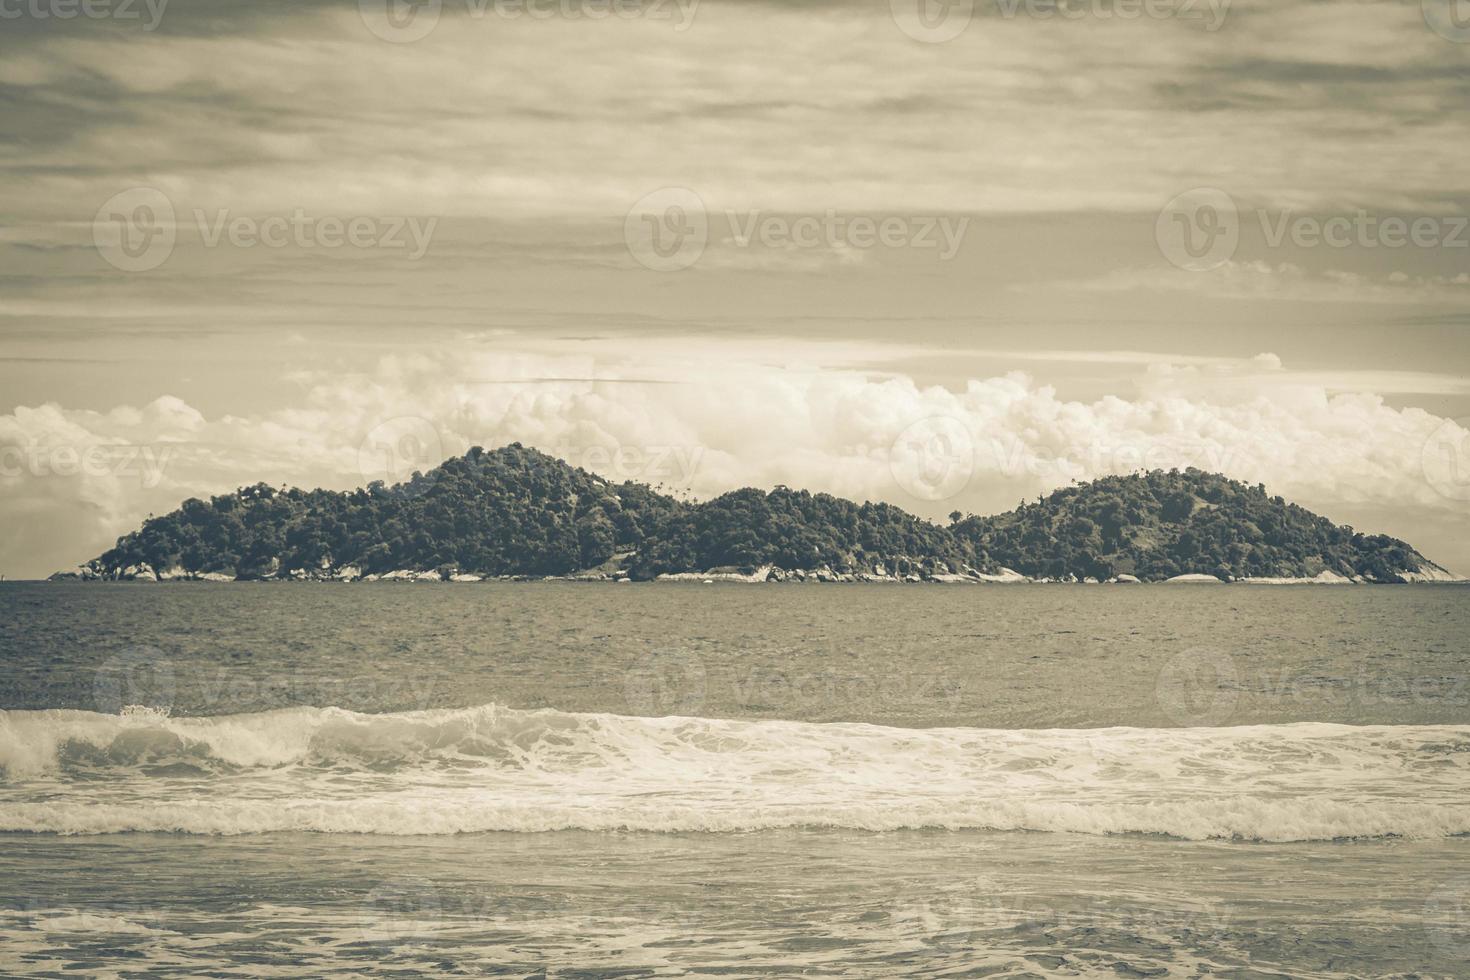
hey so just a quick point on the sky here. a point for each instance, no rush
(950, 255)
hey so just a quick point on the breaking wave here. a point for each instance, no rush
(493, 768)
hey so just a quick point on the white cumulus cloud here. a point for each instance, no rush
(73, 480)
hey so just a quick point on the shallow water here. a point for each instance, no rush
(813, 902)
(864, 781)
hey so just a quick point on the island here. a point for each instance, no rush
(517, 513)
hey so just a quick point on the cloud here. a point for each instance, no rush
(1357, 103)
(1063, 138)
(72, 480)
(1259, 279)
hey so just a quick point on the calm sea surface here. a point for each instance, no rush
(685, 780)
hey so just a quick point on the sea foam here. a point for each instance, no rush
(494, 768)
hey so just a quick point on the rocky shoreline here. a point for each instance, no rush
(899, 572)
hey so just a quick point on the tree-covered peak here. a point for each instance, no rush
(517, 511)
(1164, 523)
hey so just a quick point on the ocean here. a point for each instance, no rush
(599, 780)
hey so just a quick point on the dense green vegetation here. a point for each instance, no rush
(512, 511)
(516, 511)
(1161, 524)
(797, 529)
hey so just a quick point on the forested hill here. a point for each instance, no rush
(518, 512)
(1165, 523)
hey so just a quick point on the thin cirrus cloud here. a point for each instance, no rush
(1136, 111)
(1263, 370)
(1258, 278)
